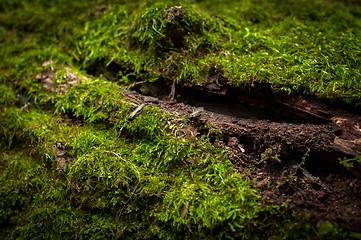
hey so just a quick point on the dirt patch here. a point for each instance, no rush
(323, 194)
(294, 157)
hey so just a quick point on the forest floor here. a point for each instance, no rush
(201, 120)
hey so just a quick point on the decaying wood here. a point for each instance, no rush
(322, 141)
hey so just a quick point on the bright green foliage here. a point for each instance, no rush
(307, 47)
(150, 42)
(65, 173)
(294, 46)
(7, 95)
(91, 100)
(350, 162)
(114, 181)
(114, 188)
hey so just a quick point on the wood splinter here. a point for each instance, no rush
(131, 116)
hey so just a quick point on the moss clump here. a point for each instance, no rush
(300, 47)
(91, 100)
(293, 46)
(96, 185)
(7, 94)
(163, 27)
(150, 42)
(124, 188)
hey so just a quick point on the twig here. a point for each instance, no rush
(131, 117)
(172, 91)
(193, 115)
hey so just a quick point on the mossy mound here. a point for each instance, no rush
(290, 47)
(148, 183)
(156, 41)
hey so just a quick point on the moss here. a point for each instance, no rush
(64, 171)
(91, 100)
(290, 50)
(313, 49)
(7, 94)
(124, 187)
(150, 42)
(351, 162)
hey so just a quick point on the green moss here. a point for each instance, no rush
(351, 162)
(126, 187)
(307, 47)
(308, 50)
(7, 95)
(151, 41)
(91, 100)
(65, 173)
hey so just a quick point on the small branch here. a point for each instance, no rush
(131, 116)
(172, 91)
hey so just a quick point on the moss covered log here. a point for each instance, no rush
(67, 172)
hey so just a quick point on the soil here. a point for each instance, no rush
(289, 146)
